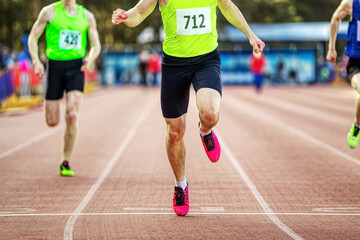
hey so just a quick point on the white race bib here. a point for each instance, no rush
(193, 21)
(358, 31)
(70, 40)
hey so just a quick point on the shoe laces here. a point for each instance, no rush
(356, 131)
(209, 141)
(65, 166)
(180, 197)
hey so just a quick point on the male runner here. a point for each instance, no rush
(190, 57)
(67, 27)
(352, 49)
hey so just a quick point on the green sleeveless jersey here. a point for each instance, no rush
(190, 27)
(66, 36)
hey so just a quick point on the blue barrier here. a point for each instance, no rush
(6, 86)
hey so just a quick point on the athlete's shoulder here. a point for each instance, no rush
(47, 13)
(347, 4)
(89, 15)
(90, 18)
(162, 3)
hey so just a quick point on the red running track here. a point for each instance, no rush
(285, 170)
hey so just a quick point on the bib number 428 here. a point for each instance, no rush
(70, 39)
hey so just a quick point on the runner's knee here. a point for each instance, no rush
(52, 119)
(71, 116)
(355, 82)
(176, 131)
(52, 122)
(209, 116)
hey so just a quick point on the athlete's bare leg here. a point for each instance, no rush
(208, 103)
(175, 146)
(52, 112)
(73, 104)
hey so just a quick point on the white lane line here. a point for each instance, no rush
(42, 136)
(255, 192)
(269, 212)
(318, 102)
(306, 111)
(69, 227)
(338, 209)
(31, 141)
(203, 209)
(289, 128)
(171, 212)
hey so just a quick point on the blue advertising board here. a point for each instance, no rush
(282, 67)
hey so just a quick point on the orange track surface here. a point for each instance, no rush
(285, 170)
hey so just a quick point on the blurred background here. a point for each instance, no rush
(295, 32)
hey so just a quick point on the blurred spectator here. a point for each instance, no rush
(257, 65)
(24, 63)
(143, 62)
(2, 65)
(280, 78)
(154, 67)
(9, 58)
(293, 77)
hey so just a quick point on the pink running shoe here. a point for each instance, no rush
(211, 146)
(181, 201)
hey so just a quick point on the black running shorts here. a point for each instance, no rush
(353, 67)
(179, 73)
(63, 76)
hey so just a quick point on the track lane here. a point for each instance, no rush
(139, 188)
(293, 174)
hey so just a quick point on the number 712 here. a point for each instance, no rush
(188, 18)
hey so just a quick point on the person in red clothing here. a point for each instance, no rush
(257, 64)
(154, 67)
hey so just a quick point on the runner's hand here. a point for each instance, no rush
(88, 66)
(257, 44)
(39, 69)
(119, 16)
(331, 56)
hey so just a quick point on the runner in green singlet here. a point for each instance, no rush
(67, 25)
(190, 57)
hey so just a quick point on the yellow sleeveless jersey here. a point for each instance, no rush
(66, 36)
(190, 27)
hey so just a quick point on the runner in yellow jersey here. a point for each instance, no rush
(67, 26)
(190, 57)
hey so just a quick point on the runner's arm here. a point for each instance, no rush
(35, 33)
(232, 13)
(344, 9)
(95, 46)
(135, 15)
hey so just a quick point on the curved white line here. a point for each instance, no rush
(69, 227)
(269, 212)
(293, 130)
(31, 141)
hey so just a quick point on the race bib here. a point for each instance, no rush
(70, 40)
(358, 31)
(193, 21)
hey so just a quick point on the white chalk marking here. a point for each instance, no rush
(69, 227)
(172, 213)
(292, 130)
(269, 212)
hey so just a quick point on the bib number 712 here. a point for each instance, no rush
(193, 21)
(201, 19)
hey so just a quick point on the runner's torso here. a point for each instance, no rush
(66, 36)
(190, 27)
(353, 42)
